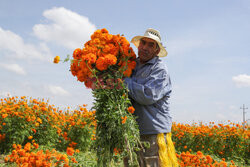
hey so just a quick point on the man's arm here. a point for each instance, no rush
(157, 86)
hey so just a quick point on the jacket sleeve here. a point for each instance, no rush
(157, 86)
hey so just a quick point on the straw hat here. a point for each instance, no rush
(152, 34)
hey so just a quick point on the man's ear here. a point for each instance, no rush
(158, 50)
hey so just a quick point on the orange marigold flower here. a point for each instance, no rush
(6, 159)
(107, 48)
(35, 107)
(223, 163)
(14, 146)
(34, 130)
(104, 30)
(81, 76)
(108, 37)
(39, 120)
(101, 64)
(64, 157)
(77, 53)
(131, 109)
(27, 147)
(116, 151)
(30, 137)
(96, 41)
(124, 41)
(128, 72)
(21, 152)
(199, 153)
(209, 159)
(124, 119)
(74, 68)
(4, 115)
(19, 146)
(70, 151)
(96, 34)
(14, 152)
(110, 59)
(131, 64)
(56, 59)
(36, 145)
(38, 163)
(74, 160)
(90, 58)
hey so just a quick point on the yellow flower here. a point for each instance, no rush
(56, 59)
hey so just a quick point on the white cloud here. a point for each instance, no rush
(5, 94)
(12, 44)
(57, 90)
(68, 28)
(14, 68)
(242, 80)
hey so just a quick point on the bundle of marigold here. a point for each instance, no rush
(102, 64)
(102, 55)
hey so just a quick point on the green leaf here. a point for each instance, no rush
(67, 58)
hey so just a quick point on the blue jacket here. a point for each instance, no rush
(150, 89)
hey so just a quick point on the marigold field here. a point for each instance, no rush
(36, 133)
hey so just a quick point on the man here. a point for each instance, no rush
(149, 90)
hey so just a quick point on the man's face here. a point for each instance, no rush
(148, 49)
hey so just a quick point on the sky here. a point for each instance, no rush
(208, 44)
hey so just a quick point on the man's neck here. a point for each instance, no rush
(144, 62)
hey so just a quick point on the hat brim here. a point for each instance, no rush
(136, 42)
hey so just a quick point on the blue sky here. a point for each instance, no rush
(208, 44)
